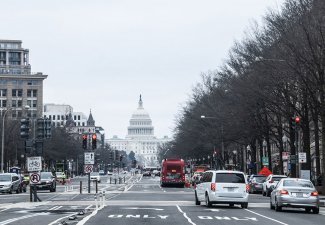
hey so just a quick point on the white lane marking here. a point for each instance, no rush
(266, 217)
(184, 214)
(55, 208)
(21, 218)
(144, 208)
(85, 219)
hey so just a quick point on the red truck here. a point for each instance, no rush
(172, 172)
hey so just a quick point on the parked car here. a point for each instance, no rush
(9, 182)
(222, 186)
(47, 182)
(146, 173)
(26, 178)
(295, 193)
(156, 173)
(60, 176)
(95, 176)
(271, 180)
(196, 177)
(101, 172)
(110, 173)
(256, 183)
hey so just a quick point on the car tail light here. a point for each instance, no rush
(213, 187)
(247, 188)
(314, 193)
(283, 192)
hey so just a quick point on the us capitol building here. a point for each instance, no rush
(140, 138)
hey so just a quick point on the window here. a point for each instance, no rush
(31, 93)
(229, 178)
(3, 103)
(17, 92)
(53, 117)
(49, 116)
(16, 103)
(3, 92)
(78, 117)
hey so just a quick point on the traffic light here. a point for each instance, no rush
(110, 155)
(295, 121)
(84, 141)
(94, 141)
(29, 144)
(40, 128)
(48, 132)
(117, 155)
(24, 128)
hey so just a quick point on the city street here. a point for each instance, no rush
(140, 200)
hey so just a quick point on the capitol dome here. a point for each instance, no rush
(140, 123)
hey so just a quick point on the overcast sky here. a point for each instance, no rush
(102, 54)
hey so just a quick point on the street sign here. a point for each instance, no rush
(265, 161)
(89, 158)
(302, 157)
(34, 164)
(35, 177)
(88, 168)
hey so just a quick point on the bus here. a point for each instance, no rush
(172, 172)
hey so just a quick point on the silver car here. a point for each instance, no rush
(295, 193)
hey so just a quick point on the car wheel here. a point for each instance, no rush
(268, 193)
(277, 207)
(308, 210)
(197, 202)
(231, 205)
(207, 201)
(315, 210)
(244, 205)
(271, 206)
(10, 191)
(263, 193)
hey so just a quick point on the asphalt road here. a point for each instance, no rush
(140, 200)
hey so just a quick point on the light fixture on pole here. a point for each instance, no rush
(3, 139)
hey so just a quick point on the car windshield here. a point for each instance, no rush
(5, 178)
(46, 175)
(230, 178)
(94, 174)
(259, 179)
(277, 178)
(298, 183)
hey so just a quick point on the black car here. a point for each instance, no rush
(146, 174)
(48, 182)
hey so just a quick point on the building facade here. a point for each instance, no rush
(59, 115)
(19, 87)
(77, 123)
(140, 138)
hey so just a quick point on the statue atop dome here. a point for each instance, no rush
(140, 103)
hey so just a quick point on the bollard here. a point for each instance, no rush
(100, 198)
(96, 186)
(115, 180)
(30, 193)
(110, 180)
(124, 179)
(80, 187)
(104, 198)
(96, 202)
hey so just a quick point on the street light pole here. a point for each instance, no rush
(3, 139)
(222, 142)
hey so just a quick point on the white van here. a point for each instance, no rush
(222, 187)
